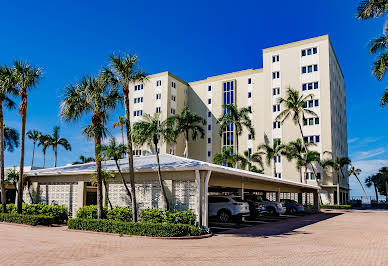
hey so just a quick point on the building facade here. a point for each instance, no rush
(309, 66)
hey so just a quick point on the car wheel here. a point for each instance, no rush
(224, 216)
(292, 210)
(272, 211)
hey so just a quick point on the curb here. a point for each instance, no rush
(152, 237)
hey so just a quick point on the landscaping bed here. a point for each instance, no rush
(26, 219)
(336, 206)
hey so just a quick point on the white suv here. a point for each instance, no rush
(226, 207)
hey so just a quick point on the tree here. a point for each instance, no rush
(188, 122)
(379, 46)
(355, 172)
(11, 139)
(372, 180)
(297, 150)
(115, 152)
(151, 131)
(91, 95)
(248, 159)
(26, 78)
(295, 108)
(12, 176)
(272, 151)
(307, 159)
(380, 181)
(105, 176)
(125, 71)
(120, 123)
(56, 140)
(237, 118)
(7, 88)
(34, 136)
(225, 157)
(44, 141)
(83, 159)
(337, 164)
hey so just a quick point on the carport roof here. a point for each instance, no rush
(167, 163)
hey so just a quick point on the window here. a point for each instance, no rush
(209, 114)
(315, 68)
(276, 124)
(309, 69)
(209, 140)
(209, 127)
(276, 108)
(311, 138)
(158, 96)
(275, 75)
(249, 136)
(209, 154)
(315, 50)
(278, 159)
(310, 86)
(317, 120)
(209, 101)
(250, 108)
(275, 58)
(249, 94)
(304, 87)
(158, 83)
(173, 84)
(138, 87)
(228, 98)
(317, 139)
(303, 70)
(315, 85)
(157, 110)
(138, 113)
(276, 91)
(209, 88)
(173, 111)
(311, 121)
(310, 51)
(173, 98)
(249, 81)
(316, 103)
(311, 103)
(318, 176)
(138, 100)
(279, 175)
(303, 52)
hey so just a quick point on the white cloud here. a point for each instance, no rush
(353, 140)
(368, 154)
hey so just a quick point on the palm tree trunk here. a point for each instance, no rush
(236, 150)
(97, 142)
(23, 113)
(338, 189)
(122, 134)
(44, 159)
(186, 153)
(55, 155)
(362, 187)
(301, 175)
(124, 182)
(301, 133)
(107, 195)
(130, 152)
(2, 173)
(377, 193)
(160, 177)
(33, 155)
(274, 168)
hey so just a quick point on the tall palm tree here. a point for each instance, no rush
(44, 141)
(83, 159)
(371, 180)
(120, 123)
(56, 140)
(188, 122)
(272, 151)
(91, 95)
(152, 131)
(124, 72)
(307, 159)
(26, 78)
(34, 136)
(296, 150)
(238, 118)
(337, 164)
(11, 139)
(116, 152)
(106, 176)
(371, 8)
(225, 157)
(295, 108)
(7, 88)
(249, 159)
(356, 171)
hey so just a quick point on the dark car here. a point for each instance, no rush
(256, 208)
(292, 206)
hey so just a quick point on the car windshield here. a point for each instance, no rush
(238, 199)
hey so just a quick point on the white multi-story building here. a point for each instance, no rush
(309, 66)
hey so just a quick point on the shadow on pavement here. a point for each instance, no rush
(280, 228)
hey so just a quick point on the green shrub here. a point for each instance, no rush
(58, 212)
(26, 219)
(131, 228)
(120, 214)
(328, 206)
(89, 212)
(164, 216)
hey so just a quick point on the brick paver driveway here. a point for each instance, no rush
(350, 238)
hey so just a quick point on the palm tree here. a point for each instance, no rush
(249, 158)
(295, 107)
(152, 131)
(371, 8)
(34, 136)
(296, 150)
(384, 99)
(271, 152)
(116, 152)
(56, 140)
(83, 159)
(226, 157)
(106, 176)
(120, 123)
(188, 122)
(125, 71)
(356, 171)
(44, 141)
(11, 139)
(307, 159)
(12, 176)
(337, 164)
(371, 180)
(7, 87)
(26, 78)
(91, 95)
(238, 118)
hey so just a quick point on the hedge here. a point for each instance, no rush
(132, 228)
(164, 216)
(26, 219)
(58, 212)
(336, 206)
(118, 213)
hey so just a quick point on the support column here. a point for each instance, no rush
(198, 183)
(278, 195)
(300, 198)
(35, 192)
(81, 199)
(316, 201)
(205, 218)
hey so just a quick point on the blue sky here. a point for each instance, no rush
(193, 40)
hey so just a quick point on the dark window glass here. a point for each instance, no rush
(315, 85)
(315, 50)
(304, 87)
(303, 70)
(209, 140)
(317, 120)
(316, 138)
(249, 94)
(311, 103)
(209, 154)
(249, 81)
(315, 67)
(209, 101)
(316, 102)
(309, 51)
(311, 121)
(209, 88)
(304, 122)
(310, 86)
(303, 52)
(310, 69)
(209, 114)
